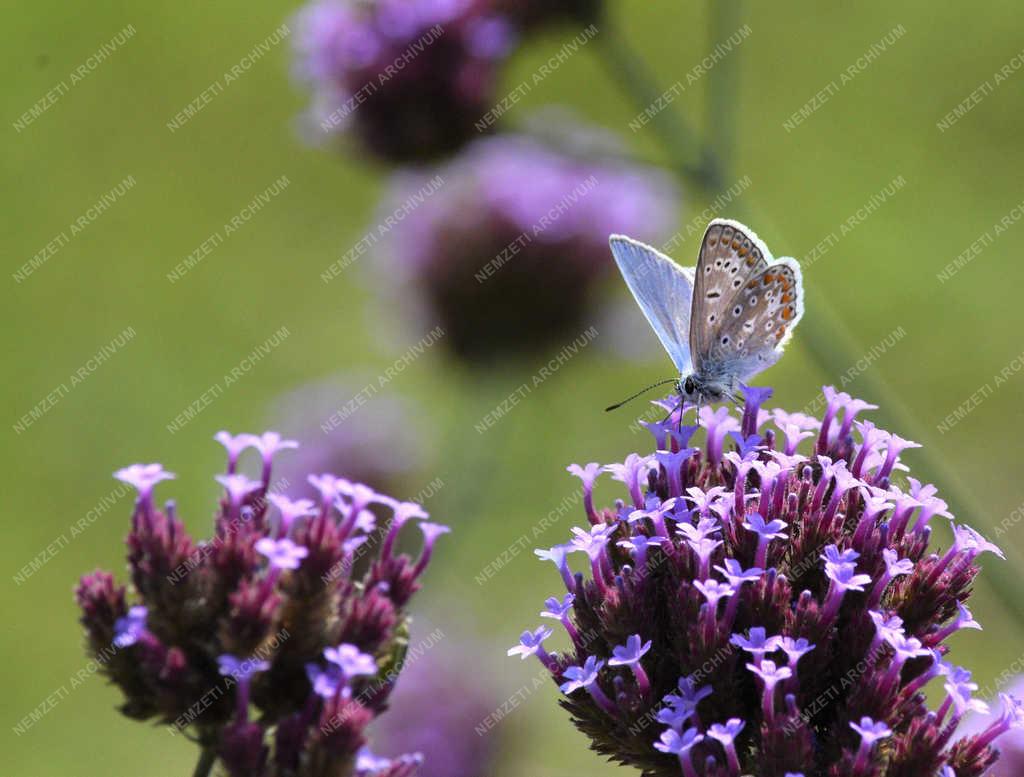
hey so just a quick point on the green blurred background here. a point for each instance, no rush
(804, 184)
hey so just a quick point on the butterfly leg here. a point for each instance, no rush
(679, 408)
(671, 412)
(666, 418)
(734, 394)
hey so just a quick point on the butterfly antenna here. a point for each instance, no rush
(641, 391)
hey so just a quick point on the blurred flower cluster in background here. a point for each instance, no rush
(407, 79)
(384, 445)
(504, 244)
(508, 256)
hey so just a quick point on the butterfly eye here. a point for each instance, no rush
(688, 385)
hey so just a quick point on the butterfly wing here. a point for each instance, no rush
(663, 290)
(758, 323)
(730, 254)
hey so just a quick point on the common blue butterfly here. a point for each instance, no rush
(723, 321)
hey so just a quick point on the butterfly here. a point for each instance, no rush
(721, 322)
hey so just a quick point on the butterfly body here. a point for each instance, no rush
(723, 321)
(702, 389)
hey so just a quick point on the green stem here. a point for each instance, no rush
(207, 758)
(469, 457)
(723, 88)
(824, 335)
(689, 160)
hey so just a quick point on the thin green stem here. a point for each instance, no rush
(470, 455)
(689, 160)
(207, 758)
(723, 88)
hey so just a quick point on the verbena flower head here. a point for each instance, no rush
(410, 79)
(766, 603)
(263, 642)
(506, 253)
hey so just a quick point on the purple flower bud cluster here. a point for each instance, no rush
(507, 253)
(409, 78)
(263, 642)
(753, 608)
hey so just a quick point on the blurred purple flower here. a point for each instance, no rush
(410, 78)
(447, 736)
(1011, 745)
(380, 442)
(504, 246)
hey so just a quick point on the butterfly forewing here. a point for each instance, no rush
(758, 321)
(730, 255)
(663, 290)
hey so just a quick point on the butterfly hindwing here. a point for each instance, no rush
(663, 290)
(758, 322)
(730, 254)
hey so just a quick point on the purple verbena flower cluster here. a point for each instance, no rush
(752, 609)
(410, 78)
(262, 642)
(506, 253)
